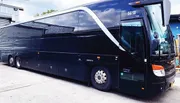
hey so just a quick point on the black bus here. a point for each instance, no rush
(113, 44)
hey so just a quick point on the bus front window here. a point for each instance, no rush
(161, 39)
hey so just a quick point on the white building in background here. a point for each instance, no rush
(9, 14)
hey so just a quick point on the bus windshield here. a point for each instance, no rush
(161, 39)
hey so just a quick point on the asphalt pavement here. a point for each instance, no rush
(25, 86)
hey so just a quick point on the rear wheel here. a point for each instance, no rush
(18, 62)
(11, 61)
(101, 78)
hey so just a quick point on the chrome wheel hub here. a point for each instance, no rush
(100, 77)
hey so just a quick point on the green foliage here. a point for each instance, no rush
(45, 13)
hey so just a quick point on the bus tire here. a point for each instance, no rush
(11, 61)
(18, 62)
(101, 78)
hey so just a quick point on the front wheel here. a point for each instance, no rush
(101, 78)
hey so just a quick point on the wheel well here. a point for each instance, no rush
(92, 67)
(15, 57)
(9, 56)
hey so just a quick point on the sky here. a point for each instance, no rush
(32, 7)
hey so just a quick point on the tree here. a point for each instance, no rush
(45, 13)
(36, 15)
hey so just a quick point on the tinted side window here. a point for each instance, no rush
(60, 24)
(3, 36)
(132, 37)
(86, 22)
(108, 12)
(25, 31)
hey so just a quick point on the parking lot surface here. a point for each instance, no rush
(24, 86)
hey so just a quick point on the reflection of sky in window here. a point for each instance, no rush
(67, 20)
(107, 12)
(110, 17)
(52, 25)
(110, 12)
(86, 22)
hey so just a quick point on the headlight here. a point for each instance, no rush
(158, 70)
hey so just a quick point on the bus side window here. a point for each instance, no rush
(59, 25)
(86, 22)
(132, 37)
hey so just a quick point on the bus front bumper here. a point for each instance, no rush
(157, 88)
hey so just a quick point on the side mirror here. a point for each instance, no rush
(166, 7)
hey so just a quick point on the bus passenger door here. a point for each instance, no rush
(132, 65)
